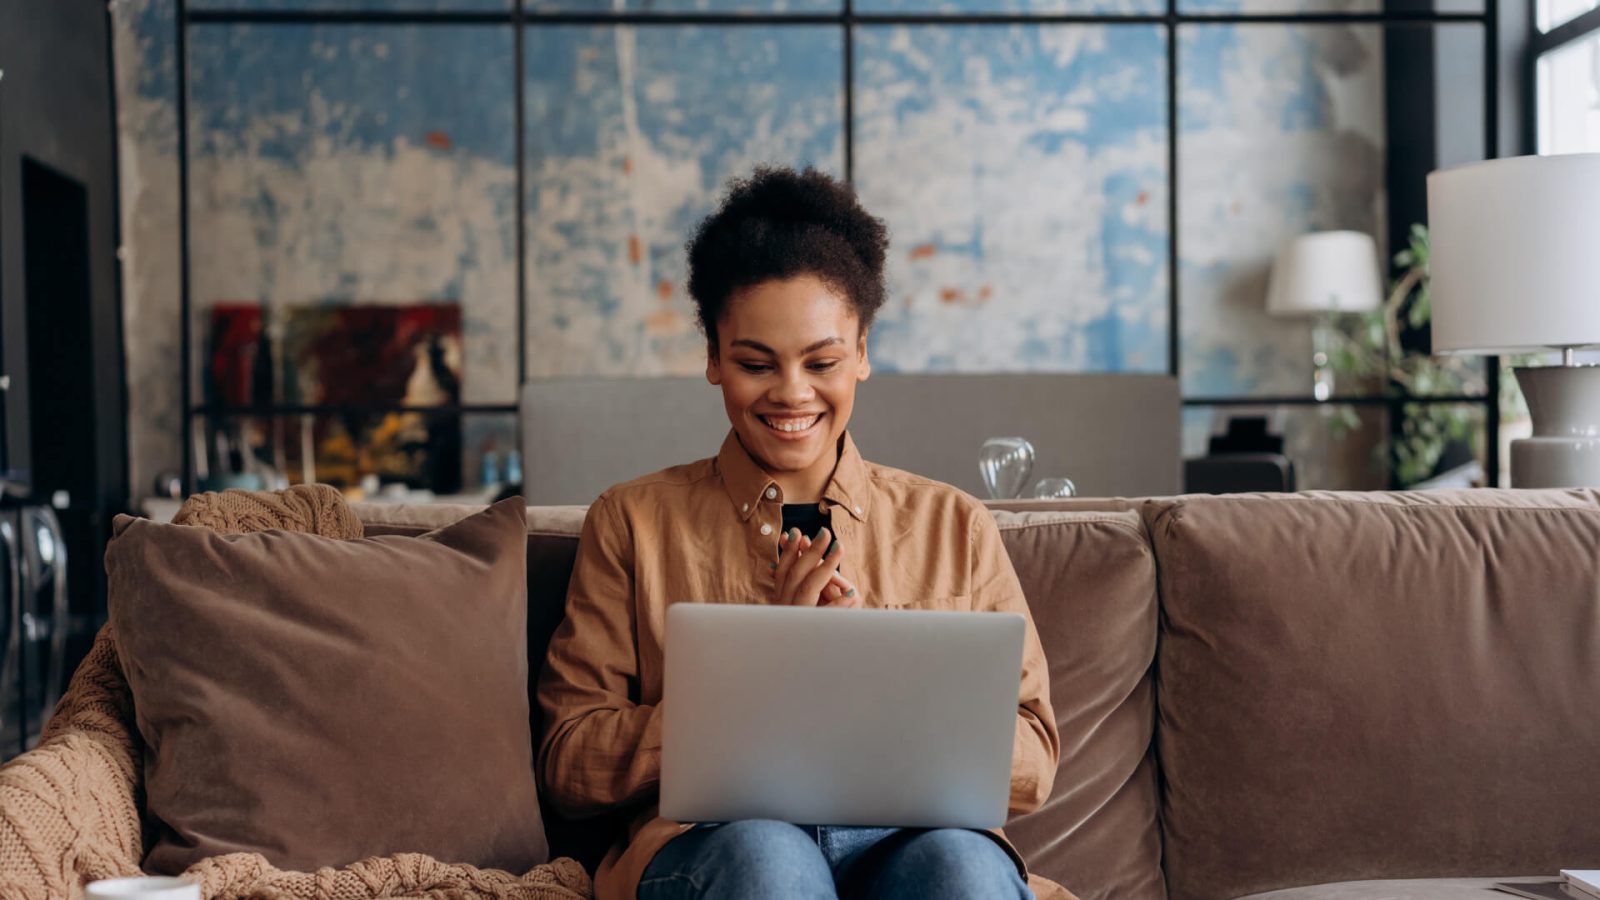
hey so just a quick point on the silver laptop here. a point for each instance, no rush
(839, 716)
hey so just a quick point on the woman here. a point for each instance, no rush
(786, 275)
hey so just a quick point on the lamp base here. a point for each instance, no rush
(1564, 403)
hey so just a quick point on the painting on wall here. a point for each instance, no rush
(354, 365)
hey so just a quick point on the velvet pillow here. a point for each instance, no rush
(320, 701)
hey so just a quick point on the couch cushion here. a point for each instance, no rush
(552, 546)
(1402, 889)
(311, 699)
(1090, 580)
(1377, 685)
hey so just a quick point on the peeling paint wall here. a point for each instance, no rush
(1022, 170)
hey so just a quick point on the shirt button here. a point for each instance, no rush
(744, 507)
(772, 492)
(766, 528)
(858, 510)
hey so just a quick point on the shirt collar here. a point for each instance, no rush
(746, 482)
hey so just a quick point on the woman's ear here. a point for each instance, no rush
(863, 364)
(713, 365)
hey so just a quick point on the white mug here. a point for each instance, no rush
(143, 888)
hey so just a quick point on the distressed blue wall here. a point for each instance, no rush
(1022, 170)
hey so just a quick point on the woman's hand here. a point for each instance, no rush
(806, 576)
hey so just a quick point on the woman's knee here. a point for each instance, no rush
(752, 840)
(749, 858)
(952, 862)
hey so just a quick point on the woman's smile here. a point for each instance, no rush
(792, 427)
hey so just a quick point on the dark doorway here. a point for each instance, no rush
(62, 431)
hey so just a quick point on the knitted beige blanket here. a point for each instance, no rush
(71, 809)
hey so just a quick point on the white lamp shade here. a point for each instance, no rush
(1515, 254)
(1326, 271)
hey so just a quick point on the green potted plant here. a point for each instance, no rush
(1392, 342)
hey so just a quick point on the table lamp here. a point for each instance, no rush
(1324, 274)
(1515, 268)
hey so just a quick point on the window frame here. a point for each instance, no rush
(520, 17)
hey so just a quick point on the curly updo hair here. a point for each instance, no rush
(779, 224)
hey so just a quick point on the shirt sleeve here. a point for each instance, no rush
(1037, 748)
(601, 748)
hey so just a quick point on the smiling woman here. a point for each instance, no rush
(786, 277)
(789, 357)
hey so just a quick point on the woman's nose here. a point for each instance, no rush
(792, 389)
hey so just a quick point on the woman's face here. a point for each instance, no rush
(788, 357)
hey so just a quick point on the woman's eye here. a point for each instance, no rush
(755, 368)
(825, 366)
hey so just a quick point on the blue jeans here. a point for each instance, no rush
(760, 859)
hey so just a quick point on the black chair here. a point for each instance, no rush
(1246, 459)
(1238, 473)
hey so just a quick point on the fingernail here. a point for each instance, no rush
(772, 566)
(784, 539)
(796, 533)
(850, 593)
(833, 549)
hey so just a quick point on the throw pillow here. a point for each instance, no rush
(320, 701)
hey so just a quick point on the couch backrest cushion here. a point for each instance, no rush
(1090, 580)
(1377, 685)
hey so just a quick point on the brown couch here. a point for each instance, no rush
(1340, 696)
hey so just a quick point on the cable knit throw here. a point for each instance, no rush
(70, 809)
(311, 508)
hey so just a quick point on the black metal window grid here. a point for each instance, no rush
(1577, 28)
(847, 19)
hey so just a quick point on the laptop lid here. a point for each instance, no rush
(839, 716)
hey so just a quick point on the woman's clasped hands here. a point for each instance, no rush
(807, 574)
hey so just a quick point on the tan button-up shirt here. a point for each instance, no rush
(705, 533)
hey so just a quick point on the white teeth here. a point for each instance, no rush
(790, 425)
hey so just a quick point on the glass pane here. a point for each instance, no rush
(1441, 445)
(356, 5)
(1569, 98)
(1022, 171)
(1334, 447)
(1392, 347)
(404, 456)
(1458, 85)
(632, 134)
(1281, 7)
(677, 6)
(1556, 12)
(1267, 7)
(1281, 133)
(1026, 6)
(1456, 6)
(342, 176)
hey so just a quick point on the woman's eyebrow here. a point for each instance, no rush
(757, 345)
